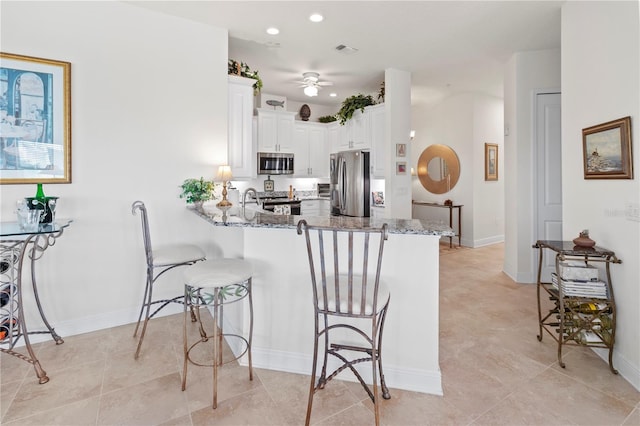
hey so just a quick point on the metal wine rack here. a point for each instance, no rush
(574, 318)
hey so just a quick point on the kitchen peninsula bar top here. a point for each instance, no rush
(257, 219)
(282, 309)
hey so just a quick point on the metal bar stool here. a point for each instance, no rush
(345, 296)
(159, 261)
(215, 283)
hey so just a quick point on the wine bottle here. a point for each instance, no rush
(39, 193)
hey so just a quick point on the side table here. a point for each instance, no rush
(15, 244)
(583, 311)
(451, 208)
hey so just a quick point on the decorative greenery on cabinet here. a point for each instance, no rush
(353, 103)
(327, 119)
(243, 70)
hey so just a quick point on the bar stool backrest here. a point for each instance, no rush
(345, 267)
(146, 235)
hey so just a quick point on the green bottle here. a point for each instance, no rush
(39, 193)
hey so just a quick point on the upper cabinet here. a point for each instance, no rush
(241, 147)
(358, 132)
(353, 134)
(275, 130)
(378, 128)
(365, 131)
(311, 153)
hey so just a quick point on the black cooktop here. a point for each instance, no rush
(277, 201)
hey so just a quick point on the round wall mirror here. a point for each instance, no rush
(438, 169)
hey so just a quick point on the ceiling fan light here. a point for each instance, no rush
(273, 31)
(311, 91)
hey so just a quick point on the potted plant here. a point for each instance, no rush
(243, 70)
(197, 191)
(353, 103)
(327, 118)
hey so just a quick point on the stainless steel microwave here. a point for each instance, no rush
(275, 163)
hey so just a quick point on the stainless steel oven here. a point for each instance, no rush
(275, 163)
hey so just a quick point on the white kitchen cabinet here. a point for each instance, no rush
(355, 133)
(359, 130)
(317, 207)
(311, 151)
(377, 212)
(334, 132)
(275, 130)
(377, 136)
(241, 144)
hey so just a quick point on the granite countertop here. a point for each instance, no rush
(258, 219)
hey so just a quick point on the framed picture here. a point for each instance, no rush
(606, 150)
(401, 150)
(378, 198)
(490, 161)
(35, 120)
(401, 168)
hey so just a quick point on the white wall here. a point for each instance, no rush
(488, 196)
(463, 122)
(525, 73)
(397, 127)
(600, 83)
(149, 109)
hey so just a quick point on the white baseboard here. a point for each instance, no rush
(627, 370)
(488, 241)
(95, 323)
(396, 377)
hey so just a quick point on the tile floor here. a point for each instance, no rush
(494, 371)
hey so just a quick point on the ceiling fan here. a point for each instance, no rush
(311, 83)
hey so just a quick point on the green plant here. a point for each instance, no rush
(353, 103)
(195, 190)
(381, 93)
(243, 70)
(327, 118)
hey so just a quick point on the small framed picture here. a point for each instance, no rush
(490, 161)
(401, 168)
(401, 150)
(378, 198)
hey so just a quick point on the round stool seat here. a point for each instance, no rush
(218, 273)
(214, 283)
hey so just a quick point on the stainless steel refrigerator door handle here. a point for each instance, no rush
(343, 184)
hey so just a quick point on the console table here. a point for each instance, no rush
(15, 244)
(451, 207)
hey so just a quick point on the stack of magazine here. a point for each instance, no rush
(594, 289)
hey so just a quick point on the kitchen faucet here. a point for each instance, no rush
(244, 197)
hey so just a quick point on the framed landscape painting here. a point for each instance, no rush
(607, 151)
(35, 120)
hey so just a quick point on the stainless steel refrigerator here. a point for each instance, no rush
(350, 195)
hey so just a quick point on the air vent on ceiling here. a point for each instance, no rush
(346, 49)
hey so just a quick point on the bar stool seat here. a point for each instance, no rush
(215, 283)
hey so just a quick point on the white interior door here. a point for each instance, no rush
(548, 176)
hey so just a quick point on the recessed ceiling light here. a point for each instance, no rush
(273, 31)
(333, 95)
(316, 17)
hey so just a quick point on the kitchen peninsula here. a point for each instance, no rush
(283, 313)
